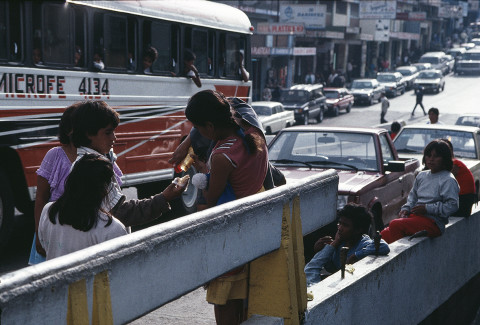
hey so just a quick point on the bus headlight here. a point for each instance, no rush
(341, 201)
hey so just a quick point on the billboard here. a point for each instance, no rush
(378, 9)
(311, 16)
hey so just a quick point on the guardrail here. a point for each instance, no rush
(120, 280)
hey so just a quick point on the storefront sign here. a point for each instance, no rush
(378, 9)
(405, 36)
(304, 51)
(412, 16)
(280, 29)
(261, 51)
(382, 30)
(312, 16)
(326, 34)
(352, 30)
(448, 11)
(296, 51)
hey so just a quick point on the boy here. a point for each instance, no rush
(353, 222)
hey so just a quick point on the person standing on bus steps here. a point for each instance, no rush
(189, 69)
(419, 98)
(76, 220)
(238, 162)
(149, 57)
(94, 124)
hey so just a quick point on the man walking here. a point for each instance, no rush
(419, 92)
(385, 106)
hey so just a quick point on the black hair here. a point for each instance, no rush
(212, 106)
(395, 127)
(188, 55)
(434, 110)
(442, 149)
(66, 125)
(89, 117)
(359, 215)
(151, 52)
(85, 188)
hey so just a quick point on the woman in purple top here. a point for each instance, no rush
(51, 176)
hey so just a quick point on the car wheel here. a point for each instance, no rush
(372, 100)
(7, 209)
(349, 107)
(335, 111)
(305, 119)
(187, 202)
(268, 130)
(443, 87)
(320, 115)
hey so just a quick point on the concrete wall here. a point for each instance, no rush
(405, 286)
(124, 278)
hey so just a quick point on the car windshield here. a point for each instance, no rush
(471, 56)
(340, 150)
(386, 78)
(429, 75)
(294, 96)
(429, 59)
(262, 110)
(361, 84)
(331, 94)
(415, 140)
(405, 72)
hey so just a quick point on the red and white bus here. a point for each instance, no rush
(46, 64)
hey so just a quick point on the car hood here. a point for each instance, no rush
(349, 180)
(428, 81)
(360, 91)
(332, 100)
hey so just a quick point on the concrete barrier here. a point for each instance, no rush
(120, 280)
(405, 286)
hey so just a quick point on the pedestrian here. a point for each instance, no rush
(419, 98)
(238, 165)
(466, 181)
(94, 124)
(349, 71)
(353, 224)
(310, 77)
(385, 106)
(433, 114)
(76, 220)
(432, 199)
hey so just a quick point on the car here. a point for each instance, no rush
(409, 74)
(436, 59)
(412, 139)
(469, 62)
(430, 80)
(273, 116)
(468, 46)
(456, 51)
(475, 41)
(338, 99)
(306, 101)
(368, 166)
(366, 91)
(392, 82)
(450, 62)
(469, 119)
(422, 66)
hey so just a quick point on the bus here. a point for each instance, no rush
(49, 59)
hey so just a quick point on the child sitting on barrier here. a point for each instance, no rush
(432, 199)
(76, 220)
(353, 224)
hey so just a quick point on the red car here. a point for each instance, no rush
(338, 99)
(369, 170)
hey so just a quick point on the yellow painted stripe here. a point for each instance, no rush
(77, 310)
(102, 305)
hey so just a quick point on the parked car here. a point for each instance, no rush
(368, 165)
(436, 59)
(307, 101)
(273, 116)
(338, 99)
(450, 62)
(412, 139)
(469, 63)
(409, 74)
(456, 51)
(392, 82)
(366, 91)
(471, 119)
(422, 66)
(430, 80)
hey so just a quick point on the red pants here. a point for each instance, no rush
(399, 228)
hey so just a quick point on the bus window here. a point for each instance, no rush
(235, 52)
(10, 31)
(57, 47)
(159, 35)
(132, 45)
(80, 40)
(199, 40)
(115, 42)
(211, 54)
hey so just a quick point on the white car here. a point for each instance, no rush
(273, 116)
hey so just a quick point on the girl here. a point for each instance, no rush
(76, 220)
(433, 198)
(237, 164)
